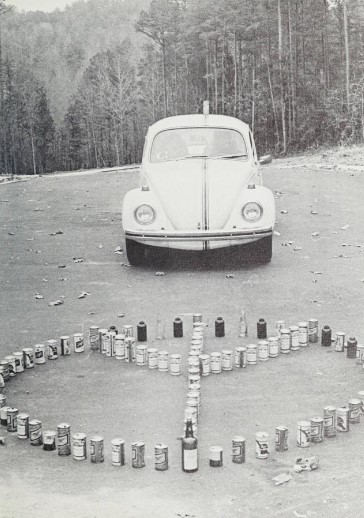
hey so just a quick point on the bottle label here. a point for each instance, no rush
(190, 459)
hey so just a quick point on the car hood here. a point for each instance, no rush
(198, 193)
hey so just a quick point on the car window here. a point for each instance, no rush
(184, 143)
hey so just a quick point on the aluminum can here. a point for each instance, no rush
(196, 345)
(261, 445)
(261, 329)
(273, 342)
(161, 457)
(141, 355)
(128, 330)
(2, 400)
(19, 361)
(112, 342)
(219, 327)
(263, 350)
(196, 354)
(119, 343)
(22, 426)
(329, 421)
(295, 344)
(360, 353)
(49, 440)
(351, 347)
(313, 330)
(238, 450)
(64, 439)
(192, 369)
(198, 327)
(251, 354)
(216, 460)
(354, 410)
(281, 439)
(163, 361)
(303, 334)
(28, 357)
(326, 336)
(78, 343)
(303, 434)
(79, 446)
(226, 360)
(107, 343)
(97, 449)
(191, 415)
(240, 357)
(4, 370)
(194, 361)
(279, 326)
(130, 349)
(177, 328)
(102, 334)
(118, 452)
(175, 364)
(360, 396)
(339, 342)
(142, 331)
(194, 394)
(4, 415)
(11, 419)
(39, 354)
(52, 349)
(194, 378)
(12, 365)
(215, 362)
(137, 454)
(317, 429)
(342, 419)
(35, 432)
(94, 338)
(205, 365)
(285, 341)
(152, 358)
(2, 382)
(197, 317)
(193, 403)
(65, 342)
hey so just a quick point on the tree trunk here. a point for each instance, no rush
(347, 55)
(235, 77)
(280, 59)
(165, 95)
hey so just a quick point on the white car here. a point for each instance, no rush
(201, 189)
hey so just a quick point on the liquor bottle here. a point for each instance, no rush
(160, 330)
(261, 329)
(243, 326)
(189, 450)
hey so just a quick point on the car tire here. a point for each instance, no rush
(135, 252)
(261, 251)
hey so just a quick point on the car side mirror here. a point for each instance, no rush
(266, 159)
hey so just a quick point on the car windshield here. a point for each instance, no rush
(185, 143)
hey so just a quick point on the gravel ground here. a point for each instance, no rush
(317, 271)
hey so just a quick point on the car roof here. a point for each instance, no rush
(198, 120)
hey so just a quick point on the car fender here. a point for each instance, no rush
(136, 197)
(261, 195)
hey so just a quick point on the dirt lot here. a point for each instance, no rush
(317, 271)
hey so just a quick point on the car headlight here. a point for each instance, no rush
(144, 214)
(252, 212)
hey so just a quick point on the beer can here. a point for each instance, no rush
(152, 353)
(79, 446)
(193, 403)
(175, 364)
(94, 338)
(339, 342)
(261, 445)
(49, 440)
(251, 354)
(52, 349)
(161, 457)
(192, 369)
(342, 419)
(11, 419)
(240, 357)
(64, 439)
(128, 330)
(354, 410)
(215, 362)
(112, 342)
(137, 457)
(22, 426)
(226, 360)
(329, 421)
(28, 355)
(107, 343)
(2, 400)
(141, 355)
(97, 449)
(360, 396)
(281, 439)
(39, 354)
(194, 378)
(163, 361)
(2, 382)
(194, 394)
(273, 342)
(197, 317)
(78, 343)
(216, 460)
(4, 415)
(118, 452)
(119, 343)
(191, 415)
(19, 361)
(238, 450)
(102, 335)
(130, 349)
(12, 365)
(196, 354)
(303, 434)
(303, 334)
(198, 327)
(351, 347)
(4, 370)
(279, 326)
(295, 344)
(65, 342)
(196, 345)
(193, 361)
(263, 350)
(35, 432)
(360, 353)
(313, 330)
(285, 341)
(317, 429)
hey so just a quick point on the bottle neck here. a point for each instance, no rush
(189, 429)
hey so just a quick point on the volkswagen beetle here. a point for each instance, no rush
(200, 189)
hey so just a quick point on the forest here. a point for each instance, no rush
(80, 86)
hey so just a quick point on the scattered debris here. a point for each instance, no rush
(121, 315)
(2, 441)
(345, 227)
(282, 478)
(56, 302)
(38, 210)
(345, 244)
(100, 246)
(78, 259)
(4, 201)
(341, 256)
(38, 296)
(276, 233)
(63, 279)
(306, 464)
(296, 248)
(288, 243)
(159, 274)
(118, 250)
(11, 234)
(83, 295)
(315, 272)
(126, 264)
(62, 266)
(284, 211)
(56, 233)
(315, 234)
(230, 276)
(314, 212)
(128, 286)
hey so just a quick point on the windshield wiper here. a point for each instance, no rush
(191, 156)
(228, 156)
